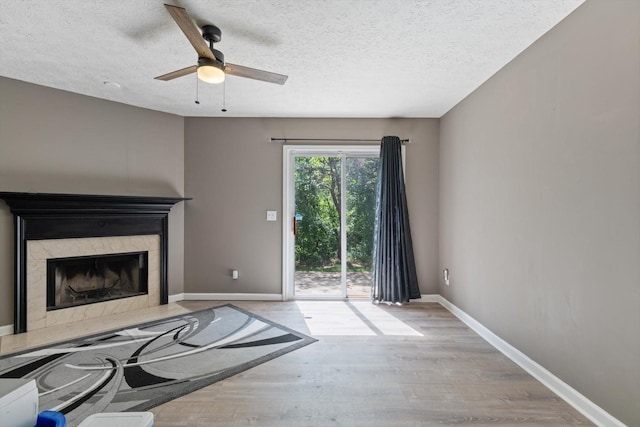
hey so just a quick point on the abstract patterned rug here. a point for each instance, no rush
(137, 368)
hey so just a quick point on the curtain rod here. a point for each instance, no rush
(285, 140)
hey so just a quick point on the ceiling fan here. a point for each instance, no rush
(211, 67)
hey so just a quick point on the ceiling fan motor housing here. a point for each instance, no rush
(219, 55)
(219, 61)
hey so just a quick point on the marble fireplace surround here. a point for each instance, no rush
(38, 251)
(80, 224)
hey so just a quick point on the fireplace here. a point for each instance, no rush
(69, 228)
(83, 280)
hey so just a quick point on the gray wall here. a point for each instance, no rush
(540, 204)
(58, 142)
(234, 175)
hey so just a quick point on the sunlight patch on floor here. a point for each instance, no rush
(351, 318)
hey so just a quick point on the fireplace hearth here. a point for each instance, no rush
(75, 225)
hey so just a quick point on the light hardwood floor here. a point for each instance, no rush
(415, 365)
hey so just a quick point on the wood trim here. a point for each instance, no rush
(176, 298)
(231, 297)
(6, 330)
(164, 261)
(56, 203)
(20, 276)
(427, 298)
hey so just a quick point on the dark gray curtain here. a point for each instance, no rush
(394, 278)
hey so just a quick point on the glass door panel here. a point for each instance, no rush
(361, 181)
(318, 226)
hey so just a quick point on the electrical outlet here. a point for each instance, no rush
(234, 274)
(272, 215)
(445, 276)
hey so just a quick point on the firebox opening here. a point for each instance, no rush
(97, 278)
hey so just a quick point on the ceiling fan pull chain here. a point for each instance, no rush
(197, 86)
(224, 96)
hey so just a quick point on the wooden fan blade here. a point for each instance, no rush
(178, 73)
(252, 73)
(190, 30)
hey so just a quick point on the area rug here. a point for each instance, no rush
(137, 368)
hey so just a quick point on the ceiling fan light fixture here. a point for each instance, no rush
(210, 71)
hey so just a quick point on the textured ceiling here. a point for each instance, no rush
(344, 58)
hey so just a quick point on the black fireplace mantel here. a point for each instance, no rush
(46, 203)
(39, 216)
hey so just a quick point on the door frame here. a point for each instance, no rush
(289, 153)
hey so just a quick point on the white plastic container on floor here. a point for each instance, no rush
(18, 402)
(119, 419)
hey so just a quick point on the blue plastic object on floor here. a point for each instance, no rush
(51, 419)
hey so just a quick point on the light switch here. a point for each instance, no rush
(272, 215)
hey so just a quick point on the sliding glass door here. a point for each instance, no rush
(330, 202)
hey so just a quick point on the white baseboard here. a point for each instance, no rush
(6, 330)
(262, 297)
(574, 398)
(176, 297)
(231, 297)
(427, 298)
